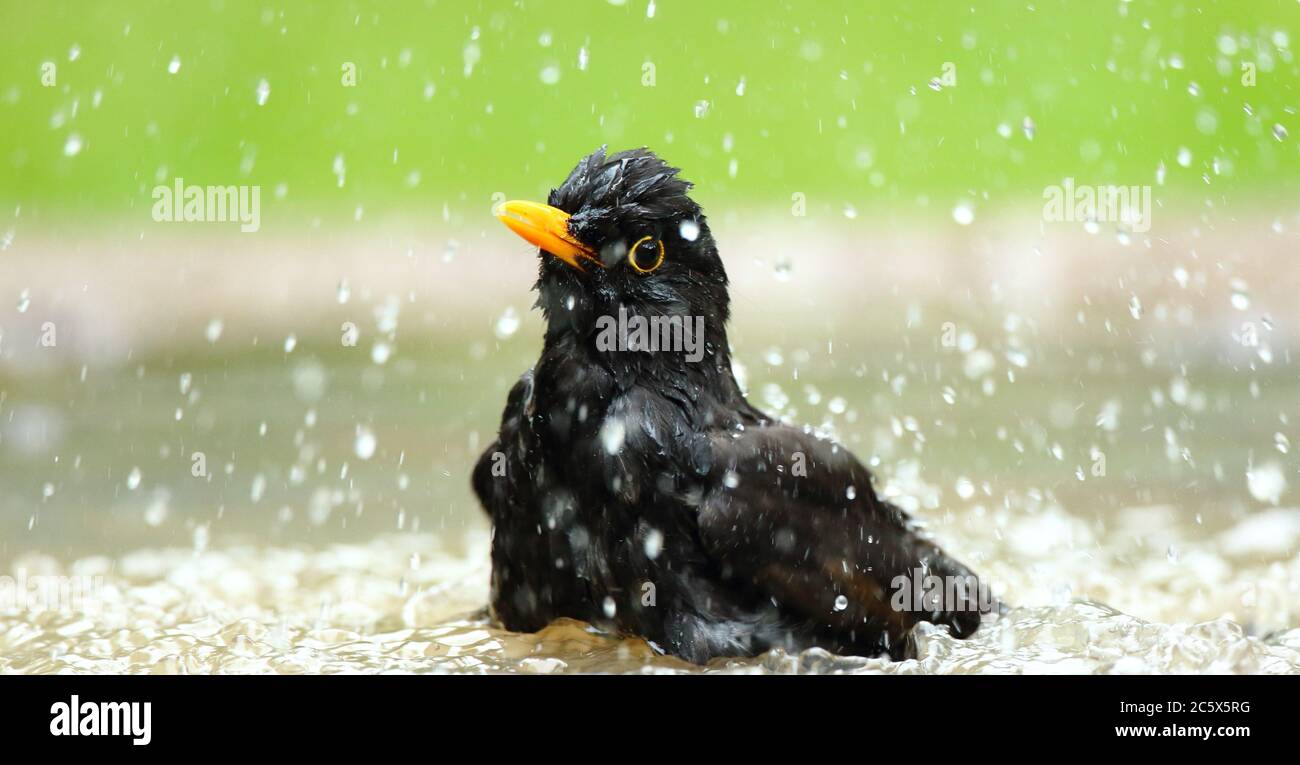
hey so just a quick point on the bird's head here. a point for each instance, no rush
(621, 233)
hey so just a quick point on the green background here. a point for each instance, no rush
(836, 103)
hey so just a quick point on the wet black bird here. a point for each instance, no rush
(634, 487)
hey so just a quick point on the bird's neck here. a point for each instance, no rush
(688, 353)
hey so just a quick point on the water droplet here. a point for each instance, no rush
(1240, 295)
(133, 479)
(24, 301)
(609, 607)
(689, 229)
(345, 292)
(340, 170)
(963, 213)
(174, 65)
(612, 434)
(654, 543)
(263, 91)
(1184, 156)
(1279, 132)
(156, 513)
(740, 87)
(72, 147)
(1028, 128)
(1135, 307)
(380, 352)
(841, 602)
(213, 331)
(1266, 482)
(775, 397)
(508, 323)
(470, 56)
(702, 109)
(365, 443)
(851, 493)
(550, 74)
(290, 343)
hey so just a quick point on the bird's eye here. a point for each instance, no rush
(646, 255)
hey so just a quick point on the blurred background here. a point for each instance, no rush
(1081, 407)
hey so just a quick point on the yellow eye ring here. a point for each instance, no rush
(631, 255)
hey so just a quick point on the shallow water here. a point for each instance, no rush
(405, 603)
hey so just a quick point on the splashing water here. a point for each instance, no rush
(412, 603)
(508, 323)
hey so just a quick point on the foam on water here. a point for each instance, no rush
(410, 603)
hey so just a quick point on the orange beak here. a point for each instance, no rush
(546, 227)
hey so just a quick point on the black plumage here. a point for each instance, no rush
(640, 491)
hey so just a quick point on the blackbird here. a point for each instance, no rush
(633, 486)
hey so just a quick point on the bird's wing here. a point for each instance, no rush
(796, 516)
